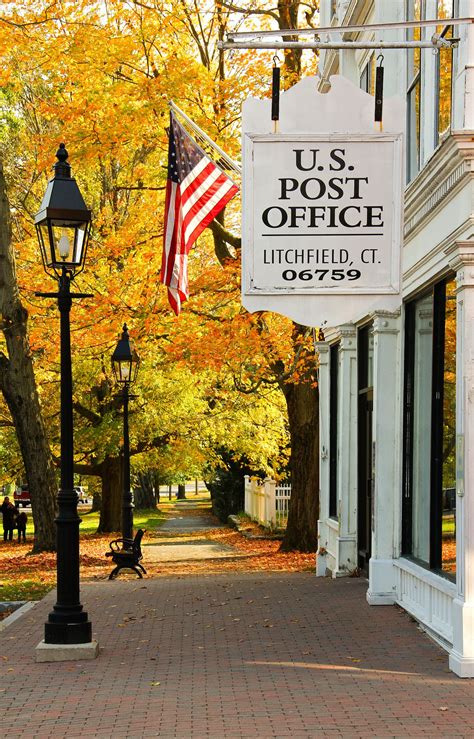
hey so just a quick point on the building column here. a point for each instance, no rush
(322, 348)
(338, 536)
(461, 658)
(387, 429)
(346, 558)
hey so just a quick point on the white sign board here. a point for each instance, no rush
(321, 215)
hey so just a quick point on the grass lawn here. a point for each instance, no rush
(146, 519)
(449, 524)
(26, 576)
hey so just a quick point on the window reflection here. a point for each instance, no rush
(414, 12)
(367, 78)
(429, 493)
(422, 428)
(444, 70)
(370, 359)
(448, 553)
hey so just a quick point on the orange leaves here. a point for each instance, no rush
(260, 555)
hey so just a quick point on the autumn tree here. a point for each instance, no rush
(17, 384)
(137, 56)
(299, 388)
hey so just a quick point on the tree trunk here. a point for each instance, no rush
(156, 485)
(111, 510)
(288, 18)
(96, 502)
(145, 493)
(17, 383)
(181, 492)
(302, 401)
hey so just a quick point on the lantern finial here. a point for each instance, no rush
(62, 168)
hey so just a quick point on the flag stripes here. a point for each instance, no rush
(197, 190)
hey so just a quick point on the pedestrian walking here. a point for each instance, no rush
(9, 513)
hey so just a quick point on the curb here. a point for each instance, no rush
(11, 605)
(16, 614)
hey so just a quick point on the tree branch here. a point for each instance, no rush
(248, 11)
(156, 443)
(137, 187)
(220, 232)
(94, 418)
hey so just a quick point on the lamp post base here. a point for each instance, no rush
(68, 633)
(66, 652)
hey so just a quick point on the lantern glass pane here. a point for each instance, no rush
(81, 232)
(68, 245)
(43, 237)
(125, 371)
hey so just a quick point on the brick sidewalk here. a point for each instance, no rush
(268, 655)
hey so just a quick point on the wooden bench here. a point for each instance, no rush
(126, 554)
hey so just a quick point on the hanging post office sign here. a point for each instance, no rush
(322, 213)
(322, 204)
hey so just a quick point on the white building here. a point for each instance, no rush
(397, 388)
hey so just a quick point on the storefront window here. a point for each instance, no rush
(429, 477)
(365, 446)
(423, 340)
(448, 552)
(333, 428)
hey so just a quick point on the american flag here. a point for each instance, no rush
(196, 192)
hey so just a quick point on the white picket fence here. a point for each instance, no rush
(267, 502)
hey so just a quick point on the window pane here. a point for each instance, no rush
(364, 79)
(445, 61)
(423, 337)
(449, 435)
(413, 130)
(445, 9)
(414, 12)
(367, 78)
(333, 430)
(444, 70)
(370, 359)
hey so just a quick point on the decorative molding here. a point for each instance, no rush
(461, 260)
(322, 348)
(386, 322)
(347, 330)
(438, 195)
(347, 336)
(433, 264)
(460, 254)
(449, 166)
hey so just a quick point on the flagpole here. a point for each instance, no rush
(234, 165)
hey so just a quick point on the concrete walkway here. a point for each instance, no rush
(234, 655)
(170, 543)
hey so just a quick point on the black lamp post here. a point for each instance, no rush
(125, 363)
(63, 227)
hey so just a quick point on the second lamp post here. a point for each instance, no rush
(125, 363)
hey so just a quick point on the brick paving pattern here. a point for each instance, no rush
(267, 655)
